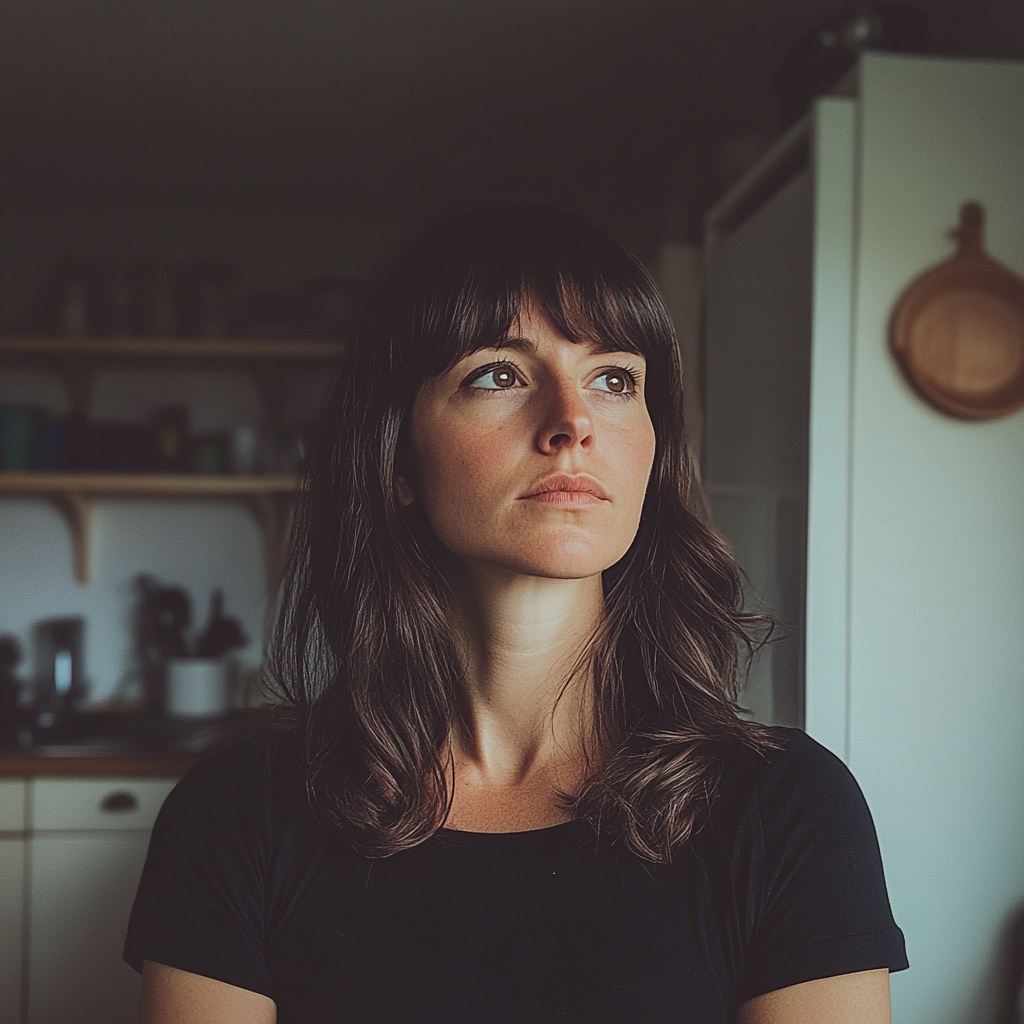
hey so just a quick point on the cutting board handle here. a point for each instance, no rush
(971, 232)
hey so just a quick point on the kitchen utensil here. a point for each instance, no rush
(162, 615)
(10, 685)
(196, 688)
(958, 330)
(223, 633)
(59, 677)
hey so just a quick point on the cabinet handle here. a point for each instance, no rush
(120, 801)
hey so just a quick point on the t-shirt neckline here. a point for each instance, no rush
(467, 838)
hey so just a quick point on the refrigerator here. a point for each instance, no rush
(885, 536)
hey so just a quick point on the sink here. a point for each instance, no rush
(71, 733)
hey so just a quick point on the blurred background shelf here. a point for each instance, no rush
(170, 348)
(268, 498)
(167, 484)
(74, 359)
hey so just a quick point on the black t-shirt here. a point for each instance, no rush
(784, 886)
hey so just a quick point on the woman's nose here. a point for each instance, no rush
(566, 422)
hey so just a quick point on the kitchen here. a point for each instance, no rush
(296, 180)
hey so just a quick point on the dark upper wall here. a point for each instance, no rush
(397, 110)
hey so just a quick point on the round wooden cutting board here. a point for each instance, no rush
(958, 330)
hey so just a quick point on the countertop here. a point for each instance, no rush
(126, 745)
(137, 765)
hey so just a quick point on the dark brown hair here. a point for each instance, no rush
(363, 651)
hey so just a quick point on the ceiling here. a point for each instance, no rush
(405, 108)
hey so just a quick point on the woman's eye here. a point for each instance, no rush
(497, 378)
(618, 382)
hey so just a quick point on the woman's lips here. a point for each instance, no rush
(567, 491)
(567, 499)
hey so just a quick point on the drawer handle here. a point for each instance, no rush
(119, 802)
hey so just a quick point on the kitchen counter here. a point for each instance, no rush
(139, 765)
(129, 746)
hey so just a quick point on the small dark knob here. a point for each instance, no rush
(120, 801)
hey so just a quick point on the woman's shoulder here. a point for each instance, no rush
(240, 780)
(805, 870)
(795, 756)
(795, 785)
(801, 771)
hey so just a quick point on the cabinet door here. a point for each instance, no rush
(82, 888)
(758, 393)
(12, 805)
(12, 896)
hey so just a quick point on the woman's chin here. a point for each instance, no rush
(565, 558)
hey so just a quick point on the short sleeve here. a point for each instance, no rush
(200, 904)
(821, 908)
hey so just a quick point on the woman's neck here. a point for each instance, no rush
(522, 637)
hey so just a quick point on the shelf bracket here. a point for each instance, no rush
(77, 509)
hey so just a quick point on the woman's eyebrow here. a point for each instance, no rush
(517, 344)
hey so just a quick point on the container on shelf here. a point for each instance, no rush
(245, 455)
(73, 306)
(207, 454)
(49, 444)
(196, 688)
(18, 425)
(205, 301)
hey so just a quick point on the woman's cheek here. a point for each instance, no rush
(631, 451)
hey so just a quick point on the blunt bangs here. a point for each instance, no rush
(462, 285)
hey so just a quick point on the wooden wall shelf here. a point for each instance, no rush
(164, 484)
(75, 359)
(268, 498)
(170, 348)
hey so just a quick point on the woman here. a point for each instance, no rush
(517, 787)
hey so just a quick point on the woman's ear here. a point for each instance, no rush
(403, 492)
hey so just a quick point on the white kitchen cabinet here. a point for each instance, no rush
(86, 849)
(82, 887)
(12, 897)
(12, 805)
(887, 535)
(12, 906)
(71, 854)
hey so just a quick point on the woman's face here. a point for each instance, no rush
(534, 457)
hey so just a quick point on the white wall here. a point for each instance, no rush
(937, 544)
